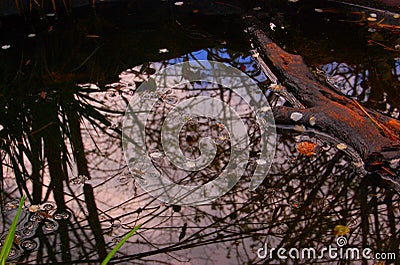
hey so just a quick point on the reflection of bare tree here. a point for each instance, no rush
(64, 146)
(374, 84)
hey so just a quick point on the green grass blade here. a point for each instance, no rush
(11, 233)
(119, 245)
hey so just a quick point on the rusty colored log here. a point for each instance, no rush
(372, 135)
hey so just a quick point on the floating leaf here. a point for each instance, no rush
(306, 148)
(341, 230)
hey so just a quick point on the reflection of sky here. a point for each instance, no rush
(347, 78)
(396, 69)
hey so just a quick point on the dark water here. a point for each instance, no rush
(64, 91)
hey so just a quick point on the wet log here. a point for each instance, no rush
(374, 136)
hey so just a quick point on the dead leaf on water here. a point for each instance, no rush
(341, 230)
(306, 148)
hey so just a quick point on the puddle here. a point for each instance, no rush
(66, 95)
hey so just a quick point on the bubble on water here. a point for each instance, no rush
(14, 253)
(48, 206)
(62, 216)
(80, 179)
(29, 245)
(124, 178)
(31, 225)
(26, 233)
(50, 226)
(116, 224)
(11, 205)
(36, 217)
(170, 99)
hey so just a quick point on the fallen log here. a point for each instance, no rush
(374, 136)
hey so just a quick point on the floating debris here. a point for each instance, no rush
(318, 10)
(34, 208)
(306, 148)
(190, 164)
(5, 47)
(32, 35)
(179, 3)
(1, 127)
(373, 15)
(296, 116)
(312, 120)
(156, 154)
(341, 146)
(272, 26)
(371, 19)
(341, 230)
(163, 50)
(257, 8)
(299, 128)
(261, 161)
